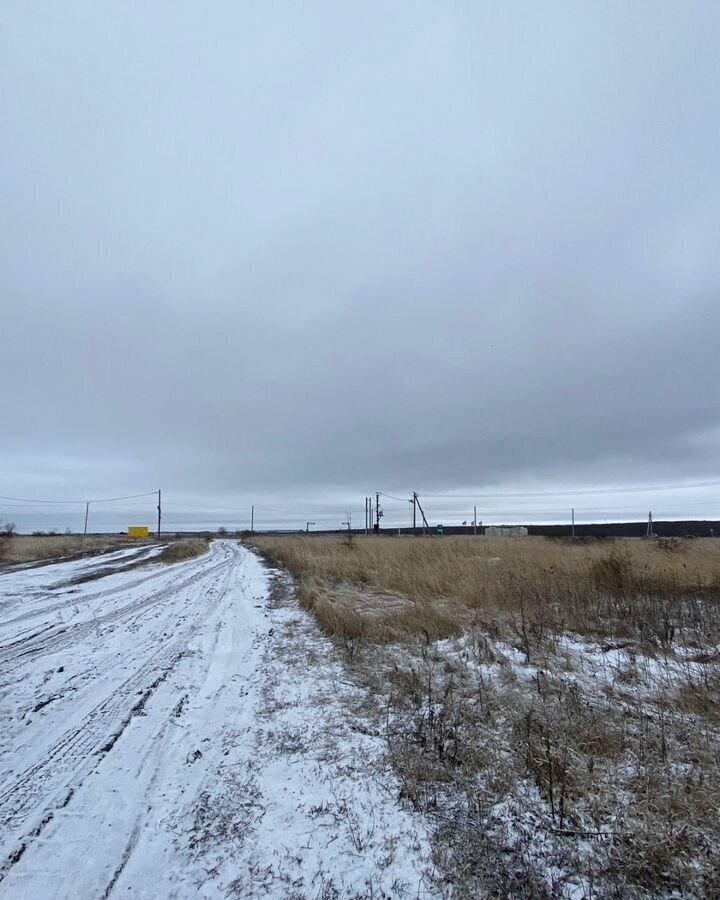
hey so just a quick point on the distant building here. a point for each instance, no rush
(506, 530)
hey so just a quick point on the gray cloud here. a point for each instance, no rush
(282, 249)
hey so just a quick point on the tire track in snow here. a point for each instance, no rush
(45, 784)
(67, 634)
(32, 597)
(72, 599)
(103, 569)
(35, 593)
(30, 802)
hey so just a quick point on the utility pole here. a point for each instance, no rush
(475, 520)
(87, 510)
(414, 503)
(159, 511)
(252, 520)
(650, 532)
(422, 513)
(377, 513)
(573, 521)
(367, 516)
(307, 526)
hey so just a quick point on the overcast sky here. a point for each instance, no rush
(313, 250)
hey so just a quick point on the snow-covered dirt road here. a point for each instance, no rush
(184, 731)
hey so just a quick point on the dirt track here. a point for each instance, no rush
(153, 738)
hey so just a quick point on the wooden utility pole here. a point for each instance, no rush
(422, 513)
(252, 520)
(159, 511)
(87, 511)
(573, 521)
(377, 512)
(414, 503)
(650, 532)
(475, 520)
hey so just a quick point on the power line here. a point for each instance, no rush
(209, 508)
(678, 486)
(67, 502)
(401, 499)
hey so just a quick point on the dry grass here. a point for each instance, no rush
(35, 548)
(553, 707)
(31, 548)
(626, 589)
(177, 551)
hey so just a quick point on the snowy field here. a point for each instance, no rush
(183, 731)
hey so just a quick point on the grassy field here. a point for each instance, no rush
(36, 548)
(552, 707)
(30, 548)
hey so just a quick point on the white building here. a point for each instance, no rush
(506, 530)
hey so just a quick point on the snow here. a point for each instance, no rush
(183, 731)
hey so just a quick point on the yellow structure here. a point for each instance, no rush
(138, 531)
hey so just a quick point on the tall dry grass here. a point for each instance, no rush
(32, 548)
(655, 592)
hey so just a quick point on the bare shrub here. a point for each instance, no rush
(613, 573)
(7, 531)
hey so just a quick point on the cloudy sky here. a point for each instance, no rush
(291, 254)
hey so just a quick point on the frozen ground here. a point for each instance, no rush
(183, 731)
